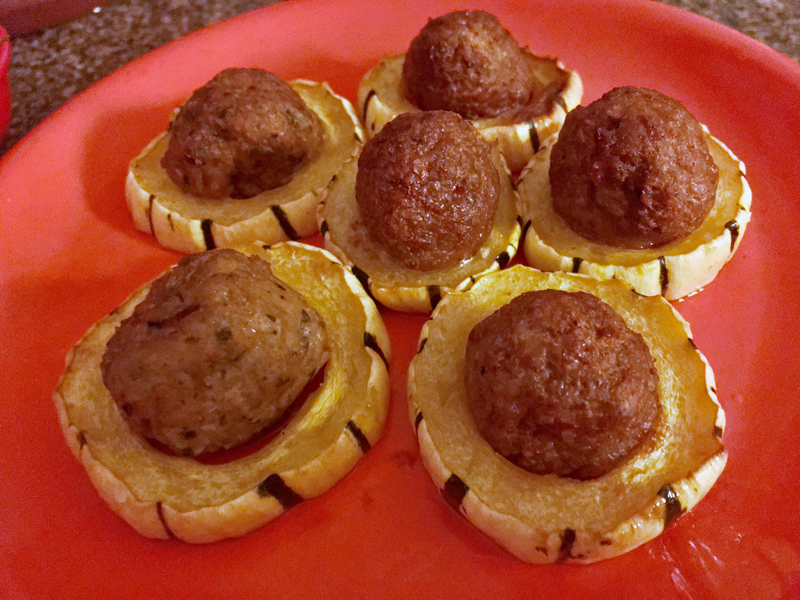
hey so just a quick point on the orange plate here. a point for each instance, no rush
(70, 254)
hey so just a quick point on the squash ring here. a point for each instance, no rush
(544, 518)
(186, 223)
(165, 496)
(399, 287)
(381, 99)
(674, 270)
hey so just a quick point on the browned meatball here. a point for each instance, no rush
(214, 354)
(244, 132)
(468, 63)
(427, 189)
(558, 383)
(632, 170)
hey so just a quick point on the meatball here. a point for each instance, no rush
(427, 189)
(468, 63)
(632, 170)
(215, 353)
(244, 132)
(559, 384)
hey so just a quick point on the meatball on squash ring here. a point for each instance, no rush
(546, 518)
(168, 496)
(187, 223)
(400, 287)
(673, 270)
(381, 98)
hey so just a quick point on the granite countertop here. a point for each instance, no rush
(51, 65)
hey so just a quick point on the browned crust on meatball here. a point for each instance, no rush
(559, 384)
(468, 63)
(427, 189)
(632, 170)
(244, 132)
(215, 353)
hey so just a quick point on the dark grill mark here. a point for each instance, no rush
(208, 236)
(454, 491)
(276, 487)
(525, 228)
(150, 213)
(283, 221)
(503, 259)
(663, 276)
(367, 100)
(733, 227)
(672, 504)
(363, 442)
(435, 295)
(371, 342)
(160, 512)
(567, 541)
(576, 264)
(535, 142)
(363, 279)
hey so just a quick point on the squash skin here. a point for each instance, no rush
(674, 270)
(544, 518)
(163, 496)
(399, 287)
(381, 98)
(186, 223)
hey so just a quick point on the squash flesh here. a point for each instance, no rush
(691, 262)
(535, 507)
(311, 452)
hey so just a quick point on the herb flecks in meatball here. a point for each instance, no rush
(244, 132)
(427, 189)
(215, 353)
(559, 384)
(468, 63)
(632, 170)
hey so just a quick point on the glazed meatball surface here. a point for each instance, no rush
(427, 189)
(244, 132)
(214, 354)
(559, 384)
(468, 63)
(632, 170)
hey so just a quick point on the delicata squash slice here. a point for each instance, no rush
(546, 518)
(187, 223)
(674, 270)
(397, 286)
(381, 97)
(167, 496)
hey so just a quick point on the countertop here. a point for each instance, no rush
(50, 65)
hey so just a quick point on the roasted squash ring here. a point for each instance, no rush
(544, 518)
(381, 98)
(674, 270)
(397, 286)
(164, 496)
(186, 223)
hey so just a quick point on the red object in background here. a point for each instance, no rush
(24, 16)
(5, 91)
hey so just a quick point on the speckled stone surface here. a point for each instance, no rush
(50, 66)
